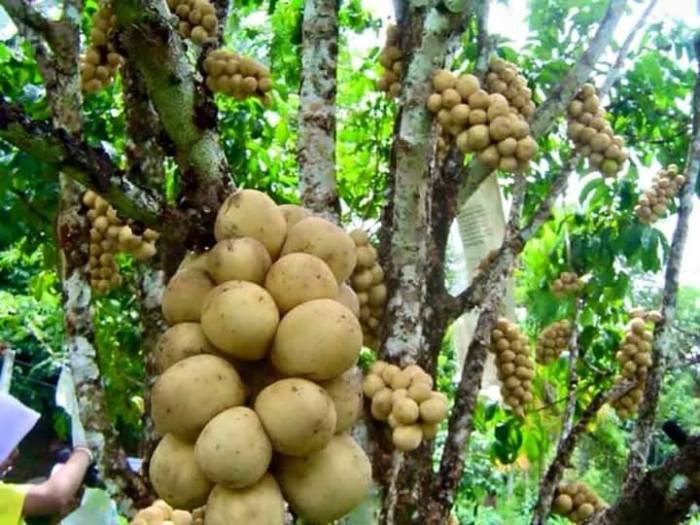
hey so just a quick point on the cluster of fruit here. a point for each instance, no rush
(592, 134)
(634, 356)
(390, 59)
(160, 513)
(552, 341)
(481, 123)
(566, 283)
(653, 203)
(515, 366)
(249, 371)
(99, 65)
(368, 284)
(198, 20)
(109, 235)
(504, 77)
(240, 77)
(405, 399)
(576, 502)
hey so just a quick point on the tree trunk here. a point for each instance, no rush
(316, 136)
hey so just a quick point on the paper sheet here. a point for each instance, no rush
(16, 420)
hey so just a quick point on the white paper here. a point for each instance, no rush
(16, 420)
(66, 399)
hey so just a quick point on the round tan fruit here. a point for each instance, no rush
(251, 213)
(317, 340)
(407, 437)
(563, 504)
(233, 449)
(184, 295)
(179, 342)
(189, 393)
(175, 475)
(243, 259)
(299, 278)
(240, 319)
(346, 393)
(181, 517)
(293, 213)
(348, 298)
(328, 484)
(405, 411)
(299, 416)
(326, 241)
(261, 504)
(433, 410)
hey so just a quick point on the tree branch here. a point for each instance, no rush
(159, 53)
(560, 96)
(566, 446)
(617, 69)
(460, 425)
(513, 244)
(316, 137)
(650, 502)
(89, 166)
(558, 99)
(641, 439)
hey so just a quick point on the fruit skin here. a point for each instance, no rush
(305, 347)
(298, 416)
(184, 295)
(261, 504)
(233, 449)
(326, 241)
(346, 393)
(328, 484)
(179, 342)
(293, 213)
(240, 319)
(243, 259)
(407, 438)
(298, 278)
(187, 395)
(348, 298)
(175, 475)
(251, 213)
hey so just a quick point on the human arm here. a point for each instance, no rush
(57, 492)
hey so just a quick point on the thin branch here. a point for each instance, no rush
(512, 245)
(557, 100)
(617, 69)
(572, 382)
(566, 447)
(90, 166)
(564, 91)
(641, 439)
(460, 424)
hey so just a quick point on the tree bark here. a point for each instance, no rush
(190, 123)
(651, 501)
(641, 438)
(316, 136)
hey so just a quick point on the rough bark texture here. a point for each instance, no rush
(159, 54)
(316, 137)
(652, 502)
(425, 36)
(145, 156)
(408, 243)
(641, 438)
